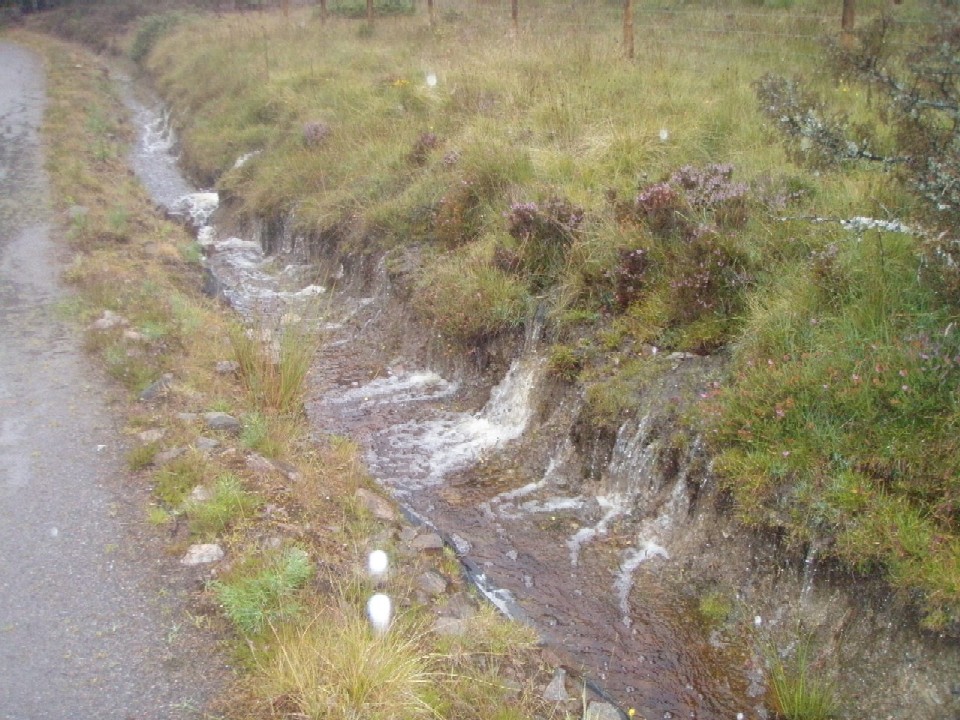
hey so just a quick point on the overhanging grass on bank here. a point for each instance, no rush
(836, 425)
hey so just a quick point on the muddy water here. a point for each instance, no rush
(577, 559)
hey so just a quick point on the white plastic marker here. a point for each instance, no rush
(378, 610)
(377, 564)
(431, 79)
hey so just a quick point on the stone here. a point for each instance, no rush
(451, 627)
(200, 494)
(169, 455)
(427, 543)
(207, 444)
(202, 554)
(408, 533)
(258, 463)
(158, 389)
(290, 472)
(556, 691)
(78, 212)
(601, 711)
(108, 321)
(432, 583)
(152, 435)
(134, 336)
(187, 417)
(379, 507)
(228, 367)
(222, 422)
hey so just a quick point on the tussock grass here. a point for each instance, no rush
(274, 369)
(798, 692)
(229, 502)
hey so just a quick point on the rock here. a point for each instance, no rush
(200, 494)
(158, 389)
(228, 367)
(290, 472)
(427, 543)
(601, 711)
(212, 287)
(206, 444)
(108, 321)
(432, 583)
(152, 435)
(162, 458)
(379, 507)
(258, 463)
(452, 627)
(223, 422)
(202, 554)
(134, 336)
(187, 417)
(556, 691)
(408, 533)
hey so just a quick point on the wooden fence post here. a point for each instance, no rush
(515, 15)
(628, 28)
(430, 11)
(370, 11)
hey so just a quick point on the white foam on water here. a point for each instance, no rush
(646, 550)
(614, 507)
(403, 388)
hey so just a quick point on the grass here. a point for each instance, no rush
(274, 371)
(255, 600)
(228, 502)
(798, 693)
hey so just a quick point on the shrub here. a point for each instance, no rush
(544, 233)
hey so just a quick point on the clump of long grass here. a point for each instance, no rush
(228, 502)
(274, 372)
(337, 666)
(798, 693)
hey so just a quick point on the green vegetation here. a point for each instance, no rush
(273, 372)
(254, 599)
(646, 207)
(798, 693)
(228, 502)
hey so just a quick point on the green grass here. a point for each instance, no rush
(798, 692)
(274, 372)
(255, 599)
(229, 502)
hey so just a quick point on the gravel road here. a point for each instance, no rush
(92, 611)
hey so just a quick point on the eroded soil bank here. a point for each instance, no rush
(92, 618)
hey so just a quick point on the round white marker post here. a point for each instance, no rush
(378, 564)
(378, 610)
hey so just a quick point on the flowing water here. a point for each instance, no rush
(578, 558)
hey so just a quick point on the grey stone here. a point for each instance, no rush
(200, 494)
(601, 711)
(258, 463)
(158, 389)
(152, 435)
(202, 554)
(556, 691)
(134, 336)
(162, 458)
(207, 444)
(187, 417)
(290, 472)
(428, 542)
(222, 422)
(432, 583)
(228, 367)
(453, 627)
(78, 212)
(379, 507)
(408, 533)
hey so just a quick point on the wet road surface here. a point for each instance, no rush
(90, 626)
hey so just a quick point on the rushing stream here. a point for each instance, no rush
(576, 558)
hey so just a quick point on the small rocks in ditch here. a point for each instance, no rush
(427, 543)
(223, 422)
(432, 584)
(601, 711)
(157, 390)
(556, 691)
(203, 554)
(450, 626)
(379, 507)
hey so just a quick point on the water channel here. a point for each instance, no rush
(577, 558)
